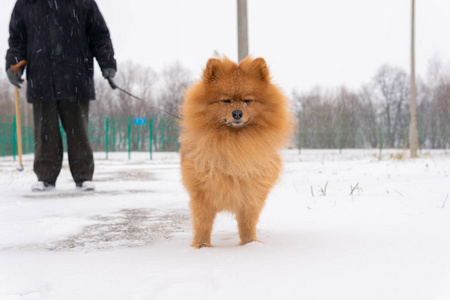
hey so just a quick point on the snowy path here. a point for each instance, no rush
(390, 239)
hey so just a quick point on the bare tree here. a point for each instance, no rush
(6, 98)
(434, 107)
(173, 82)
(391, 89)
(369, 118)
(349, 109)
(139, 81)
(317, 119)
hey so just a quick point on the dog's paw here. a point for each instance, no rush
(255, 241)
(201, 245)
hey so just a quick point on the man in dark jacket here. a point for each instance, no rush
(59, 39)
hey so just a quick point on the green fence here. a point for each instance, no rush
(343, 131)
(107, 134)
(8, 137)
(127, 134)
(112, 134)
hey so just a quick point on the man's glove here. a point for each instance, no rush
(15, 79)
(108, 73)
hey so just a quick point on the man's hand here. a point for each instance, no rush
(108, 73)
(15, 78)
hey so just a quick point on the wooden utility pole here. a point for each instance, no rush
(413, 143)
(242, 29)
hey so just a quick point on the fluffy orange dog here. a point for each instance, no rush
(234, 122)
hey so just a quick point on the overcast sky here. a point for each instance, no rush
(306, 43)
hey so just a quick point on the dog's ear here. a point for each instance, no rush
(256, 67)
(261, 68)
(211, 70)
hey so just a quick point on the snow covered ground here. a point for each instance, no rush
(337, 226)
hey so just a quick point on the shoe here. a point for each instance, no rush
(42, 186)
(86, 185)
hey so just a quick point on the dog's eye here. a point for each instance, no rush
(247, 101)
(226, 101)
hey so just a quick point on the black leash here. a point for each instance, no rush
(114, 86)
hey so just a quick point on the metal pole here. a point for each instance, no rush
(242, 29)
(381, 133)
(114, 136)
(420, 137)
(18, 130)
(4, 131)
(340, 134)
(138, 137)
(129, 138)
(162, 135)
(413, 107)
(106, 136)
(14, 138)
(299, 134)
(151, 138)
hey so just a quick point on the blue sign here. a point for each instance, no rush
(140, 121)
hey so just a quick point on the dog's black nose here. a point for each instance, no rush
(237, 114)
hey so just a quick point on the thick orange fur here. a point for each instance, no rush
(225, 167)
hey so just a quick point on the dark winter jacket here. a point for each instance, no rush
(58, 39)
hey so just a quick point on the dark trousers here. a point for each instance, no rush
(48, 148)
